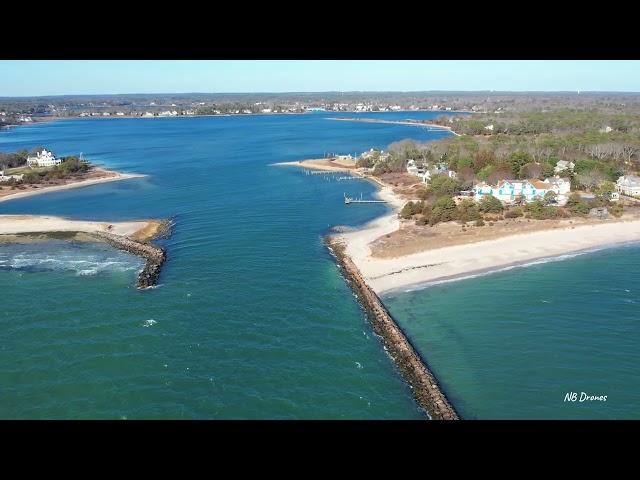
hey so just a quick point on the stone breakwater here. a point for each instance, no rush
(424, 385)
(155, 256)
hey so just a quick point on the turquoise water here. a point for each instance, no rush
(512, 344)
(251, 318)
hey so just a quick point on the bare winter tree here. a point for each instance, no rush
(591, 179)
(531, 170)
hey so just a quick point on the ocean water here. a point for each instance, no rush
(512, 344)
(251, 318)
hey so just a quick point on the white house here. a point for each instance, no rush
(563, 165)
(629, 185)
(439, 170)
(43, 159)
(412, 168)
(560, 186)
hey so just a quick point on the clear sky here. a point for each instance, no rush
(62, 77)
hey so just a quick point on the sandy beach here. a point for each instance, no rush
(385, 274)
(324, 164)
(27, 224)
(100, 176)
(456, 261)
(396, 122)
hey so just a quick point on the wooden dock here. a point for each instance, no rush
(349, 200)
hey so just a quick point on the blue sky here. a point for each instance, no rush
(30, 78)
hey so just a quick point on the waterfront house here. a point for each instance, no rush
(560, 186)
(43, 159)
(563, 165)
(629, 185)
(509, 191)
(437, 170)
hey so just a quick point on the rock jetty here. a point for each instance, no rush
(154, 255)
(423, 383)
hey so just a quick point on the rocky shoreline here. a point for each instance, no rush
(423, 383)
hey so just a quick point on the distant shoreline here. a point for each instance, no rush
(113, 177)
(395, 122)
(77, 117)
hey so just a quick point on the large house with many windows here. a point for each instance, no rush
(510, 191)
(43, 159)
(629, 185)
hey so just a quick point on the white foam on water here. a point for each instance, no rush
(82, 260)
(149, 323)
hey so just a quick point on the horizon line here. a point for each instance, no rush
(576, 92)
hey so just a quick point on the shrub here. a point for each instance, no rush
(411, 208)
(443, 185)
(443, 210)
(616, 209)
(513, 213)
(467, 211)
(490, 204)
(538, 211)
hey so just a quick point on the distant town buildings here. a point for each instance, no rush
(43, 159)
